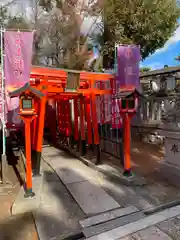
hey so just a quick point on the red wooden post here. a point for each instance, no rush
(28, 188)
(52, 120)
(54, 123)
(95, 127)
(82, 126)
(40, 133)
(127, 144)
(69, 118)
(34, 134)
(94, 120)
(89, 124)
(102, 105)
(34, 129)
(76, 122)
(59, 115)
(66, 118)
(63, 116)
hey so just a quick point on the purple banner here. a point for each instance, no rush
(18, 55)
(128, 58)
(17, 69)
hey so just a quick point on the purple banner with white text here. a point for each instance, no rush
(17, 68)
(128, 58)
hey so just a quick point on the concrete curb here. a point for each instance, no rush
(161, 207)
(129, 181)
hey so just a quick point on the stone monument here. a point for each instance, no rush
(170, 129)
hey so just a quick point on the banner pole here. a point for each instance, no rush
(4, 168)
(2, 94)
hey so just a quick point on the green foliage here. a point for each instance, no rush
(177, 58)
(3, 15)
(142, 22)
(11, 22)
(68, 47)
(17, 23)
(145, 69)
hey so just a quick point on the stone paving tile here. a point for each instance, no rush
(58, 213)
(124, 195)
(69, 175)
(152, 233)
(171, 227)
(92, 198)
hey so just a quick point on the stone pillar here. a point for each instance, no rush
(145, 111)
(153, 116)
(159, 111)
(170, 166)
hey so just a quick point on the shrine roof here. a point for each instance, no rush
(127, 94)
(24, 88)
(57, 72)
(163, 71)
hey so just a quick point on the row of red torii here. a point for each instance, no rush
(51, 98)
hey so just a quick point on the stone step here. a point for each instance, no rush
(107, 216)
(138, 225)
(115, 223)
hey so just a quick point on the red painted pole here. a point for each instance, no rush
(41, 118)
(28, 189)
(82, 126)
(52, 120)
(94, 120)
(59, 115)
(76, 124)
(28, 157)
(63, 111)
(95, 128)
(34, 129)
(69, 118)
(54, 123)
(88, 120)
(102, 105)
(82, 120)
(66, 118)
(127, 145)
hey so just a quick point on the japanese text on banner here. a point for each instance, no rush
(17, 68)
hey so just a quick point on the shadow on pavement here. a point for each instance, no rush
(62, 212)
(57, 217)
(20, 227)
(14, 161)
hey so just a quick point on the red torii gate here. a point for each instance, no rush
(53, 84)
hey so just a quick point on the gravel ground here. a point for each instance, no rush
(145, 160)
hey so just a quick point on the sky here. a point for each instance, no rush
(165, 55)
